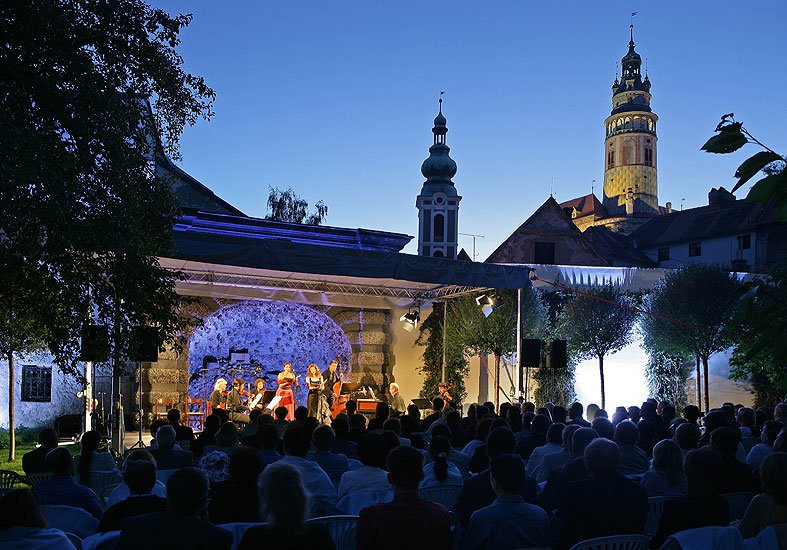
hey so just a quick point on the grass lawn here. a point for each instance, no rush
(16, 465)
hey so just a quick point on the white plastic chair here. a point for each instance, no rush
(75, 540)
(446, 495)
(738, 504)
(94, 542)
(352, 503)
(237, 530)
(98, 481)
(341, 529)
(655, 509)
(617, 542)
(70, 519)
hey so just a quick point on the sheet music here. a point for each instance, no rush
(256, 400)
(372, 392)
(274, 403)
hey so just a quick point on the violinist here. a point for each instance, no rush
(235, 406)
(286, 380)
(314, 382)
(255, 401)
(218, 398)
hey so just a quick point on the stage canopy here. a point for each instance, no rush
(238, 266)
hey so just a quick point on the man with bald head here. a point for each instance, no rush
(605, 503)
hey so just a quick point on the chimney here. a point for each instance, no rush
(720, 197)
(629, 203)
(669, 208)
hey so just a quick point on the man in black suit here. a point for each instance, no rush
(182, 433)
(527, 440)
(604, 504)
(329, 379)
(477, 490)
(34, 462)
(180, 526)
(167, 457)
(573, 471)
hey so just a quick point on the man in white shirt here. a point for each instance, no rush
(554, 444)
(122, 491)
(316, 481)
(370, 477)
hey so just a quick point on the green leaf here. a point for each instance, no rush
(752, 165)
(728, 140)
(767, 187)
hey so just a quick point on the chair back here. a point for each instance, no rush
(101, 541)
(9, 478)
(447, 495)
(617, 542)
(738, 504)
(341, 529)
(352, 503)
(32, 479)
(237, 530)
(75, 540)
(70, 519)
(163, 475)
(195, 413)
(655, 509)
(166, 403)
(99, 481)
(106, 491)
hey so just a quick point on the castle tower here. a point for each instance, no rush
(630, 181)
(438, 202)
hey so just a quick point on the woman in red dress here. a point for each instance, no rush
(286, 379)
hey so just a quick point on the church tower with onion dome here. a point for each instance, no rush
(438, 201)
(630, 180)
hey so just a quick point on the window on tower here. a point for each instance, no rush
(649, 156)
(439, 228)
(611, 159)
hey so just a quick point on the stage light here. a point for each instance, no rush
(489, 303)
(410, 320)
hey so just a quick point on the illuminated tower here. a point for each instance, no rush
(630, 180)
(438, 202)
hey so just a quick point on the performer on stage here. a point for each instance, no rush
(235, 406)
(286, 380)
(443, 388)
(314, 382)
(396, 403)
(218, 397)
(255, 401)
(329, 379)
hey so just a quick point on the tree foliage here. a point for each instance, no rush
(595, 326)
(666, 376)
(431, 337)
(286, 206)
(703, 299)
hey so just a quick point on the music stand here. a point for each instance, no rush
(422, 403)
(268, 396)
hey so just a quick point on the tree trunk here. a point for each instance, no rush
(601, 375)
(11, 435)
(497, 383)
(699, 383)
(705, 374)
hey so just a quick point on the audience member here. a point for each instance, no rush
(34, 462)
(481, 431)
(207, 436)
(573, 471)
(738, 478)
(632, 459)
(687, 436)
(428, 525)
(575, 412)
(757, 454)
(283, 506)
(455, 456)
(61, 487)
(371, 476)
(780, 413)
(123, 491)
(90, 460)
(514, 418)
(437, 407)
(590, 412)
(248, 435)
(22, 526)
(477, 492)
(140, 477)
(713, 420)
(154, 426)
(559, 414)
(180, 526)
(281, 419)
(647, 436)
(341, 427)
(554, 444)
(509, 520)
(526, 441)
(268, 437)
(182, 433)
(332, 464)
(316, 481)
(691, 413)
(458, 437)
(167, 457)
(393, 425)
(586, 504)
(467, 423)
(351, 407)
(439, 471)
(603, 426)
(702, 506)
(770, 507)
(634, 414)
(237, 501)
(619, 415)
(357, 428)
(555, 461)
(665, 478)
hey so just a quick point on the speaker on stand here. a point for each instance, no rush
(556, 359)
(531, 358)
(143, 349)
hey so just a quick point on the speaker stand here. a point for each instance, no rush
(139, 444)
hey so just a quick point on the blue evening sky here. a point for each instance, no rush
(336, 100)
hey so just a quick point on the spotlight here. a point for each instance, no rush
(410, 319)
(489, 303)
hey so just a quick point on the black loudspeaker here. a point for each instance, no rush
(557, 354)
(531, 352)
(95, 344)
(144, 345)
(68, 426)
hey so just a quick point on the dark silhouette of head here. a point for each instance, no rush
(500, 441)
(405, 467)
(580, 440)
(626, 433)
(281, 413)
(603, 426)
(323, 438)
(704, 472)
(187, 491)
(602, 457)
(372, 450)
(508, 473)
(48, 438)
(687, 436)
(296, 441)
(268, 437)
(576, 410)
(18, 508)
(540, 424)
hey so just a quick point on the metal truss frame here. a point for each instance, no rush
(327, 287)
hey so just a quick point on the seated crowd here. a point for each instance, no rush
(523, 478)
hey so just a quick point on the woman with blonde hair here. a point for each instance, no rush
(314, 383)
(770, 507)
(283, 508)
(218, 398)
